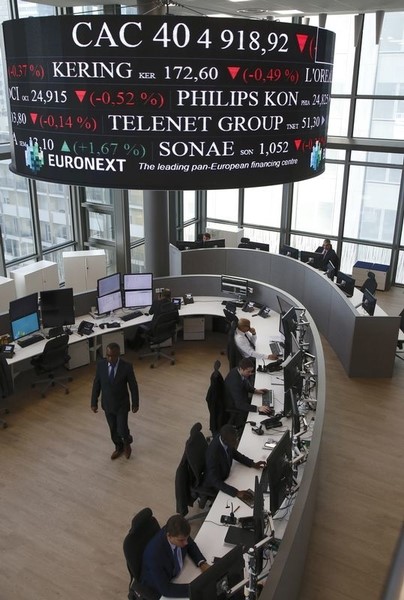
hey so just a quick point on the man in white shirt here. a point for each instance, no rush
(245, 338)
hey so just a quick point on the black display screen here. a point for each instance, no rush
(153, 102)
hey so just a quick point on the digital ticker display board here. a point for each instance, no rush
(147, 102)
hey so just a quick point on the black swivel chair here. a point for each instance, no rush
(244, 243)
(233, 353)
(163, 328)
(189, 486)
(370, 283)
(215, 400)
(144, 527)
(54, 357)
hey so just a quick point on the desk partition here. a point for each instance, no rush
(365, 345)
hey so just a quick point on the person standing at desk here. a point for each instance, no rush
(245, 338)
(112, 379)
(238, 390)
(219, 457)
(164, 556)
(329, 255)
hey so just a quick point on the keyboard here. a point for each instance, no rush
(275, 348)
(31, 340)
(268, 398)
(132, 315)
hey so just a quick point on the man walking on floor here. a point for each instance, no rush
(114, 378)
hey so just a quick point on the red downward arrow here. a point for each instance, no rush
(297, 144)
(80, 94)
(34, 117)
(233, 71)
(301, 40)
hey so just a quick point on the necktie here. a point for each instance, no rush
(177, 560)
(111, 373)
(250, 341)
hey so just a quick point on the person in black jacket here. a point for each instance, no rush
(329, 255)
(114, 378)
(219, 457)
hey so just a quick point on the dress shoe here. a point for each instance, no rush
(116, 453)
(127, 450)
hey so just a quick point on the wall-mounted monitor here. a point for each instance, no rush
(109, 284)
(369, 303)
(110, 302)
(24, 316)
(235, 286)
(289, 251)
(346, 283)
(314, 259)
(57, 307)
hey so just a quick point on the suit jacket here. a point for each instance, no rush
(158, 566)
(330, 255)
(218, 466)
(237, 392)
(115, 396)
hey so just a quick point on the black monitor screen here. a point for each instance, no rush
(315, 259)
(294, 397)
(137, 298)
(234, 285)
(284, 305)
(289, 251)
(330, 270)
(289, 324)
(219, 243)
(24, 316)
(369, 303)
(109, 284)
(57, 307)
(292, 369)
(138, 281)
(110, 302)
(224, 574)
(184, 245)
(278, 472)
(346, 283)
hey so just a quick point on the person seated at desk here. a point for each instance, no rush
(245, 338)
(159, 306)
(219, 457)
(328, 255)
(238, 391)
(164, 556)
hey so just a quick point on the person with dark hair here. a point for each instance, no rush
(329, 255)
(162, 304)
(219, 457)
(164, 556)
(114, 378)
(238, 391)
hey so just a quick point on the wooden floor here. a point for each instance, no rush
(65, 507)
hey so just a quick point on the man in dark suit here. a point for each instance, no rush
(112, 379)
(238, 391)
(219, 457)
(164, 556)
(329, 255)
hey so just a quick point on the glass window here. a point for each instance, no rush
(137, 259)
(344, 28)
(101, 226)
(400, 268)
(57, 257)
(222, 204)
(263, 205)
(54, 214)
(385, 158)
(351, 253)
(308, 243)
(265, 237)
(189, 205)
(338, 117)
(317, 202)
(136, 215)
(98, 195)
(15, 215)
(381, 119)
(371, 204)
(189, 233)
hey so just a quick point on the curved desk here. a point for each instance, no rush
(366, 346)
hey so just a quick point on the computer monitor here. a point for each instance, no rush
(57, 307)
(289, 251)
(137, 298)
(137, 290)
(284, 305)
(138, 281)
(294, 398)
(24, 316)
(330, 271)
(314, 259)
(259, 523)
(369, 303)
(256, 246)
(214, 243)
(292, 372)
(278, 472)
(289, 323)
(110, 302)
(224, 574)
(183, 245)
(109, 284)
(346, 283)
(235, 286)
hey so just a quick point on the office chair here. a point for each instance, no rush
(370, 283)
(189, 486)
(215, 399)
(54, 356)
(144, 526)
(244, 243)
(233, 353)
(164, 327)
